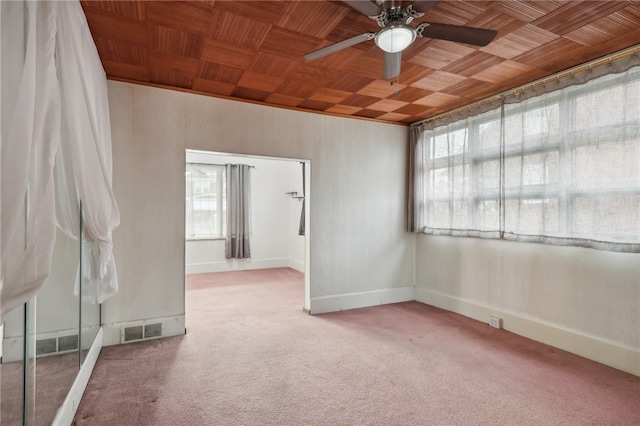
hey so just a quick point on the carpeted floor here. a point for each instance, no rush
(251, 357)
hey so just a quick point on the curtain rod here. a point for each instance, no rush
(621, 54)
(215, 164)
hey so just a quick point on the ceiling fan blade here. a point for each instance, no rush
(469, 35)
(338, 46)
(422, 6)
(392, 63)
(364, 6)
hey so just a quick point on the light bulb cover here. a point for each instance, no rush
(395, 38)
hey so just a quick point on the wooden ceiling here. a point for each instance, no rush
(253, 50)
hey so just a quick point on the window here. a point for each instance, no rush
(205, 214)
(560, 168)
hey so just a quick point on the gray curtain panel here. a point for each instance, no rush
(238, 211)
(301, 226)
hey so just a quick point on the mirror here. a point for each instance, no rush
(14, 372)
(60, 329)
(57, 325)
(89, 326)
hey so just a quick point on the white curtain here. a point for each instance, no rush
(30, 135)
(572, 165)
(551, 166)
(460, 193)
(238, 211)
(53, 95)
(86, 146)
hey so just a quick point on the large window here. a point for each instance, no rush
(205, 201)
(561, 168)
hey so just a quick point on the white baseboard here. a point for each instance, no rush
(235, 265)
(608, 353)
(171, 326)
(67, 411)
(13, 347)
(297, 265)
(342, 302)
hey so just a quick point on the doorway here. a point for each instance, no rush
(280, 216)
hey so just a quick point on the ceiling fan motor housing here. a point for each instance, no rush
(394, 12)
(395, 35)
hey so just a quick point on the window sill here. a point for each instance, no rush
(205, 238)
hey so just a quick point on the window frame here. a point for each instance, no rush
(220, 202)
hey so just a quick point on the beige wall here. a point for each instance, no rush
(585, 301)
(358, 243)
(582, 300)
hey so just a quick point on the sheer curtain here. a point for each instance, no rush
(572, 164)
(30, 135)
(558, 164)
(238, 211)
(52, 85)
(86, 147)
(460, 186)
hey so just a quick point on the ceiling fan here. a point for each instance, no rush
(396, 33)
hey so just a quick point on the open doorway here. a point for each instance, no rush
(280, 213)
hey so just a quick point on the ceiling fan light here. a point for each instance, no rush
(395, 38)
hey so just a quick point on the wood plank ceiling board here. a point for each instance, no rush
(366, 66)
(369, 113)
(127, 10)
(123, 52)
(263, 82)
(381, 89)
(284, 100)
(503, 71)
(274, 65)
(260, 10)
(472, 88)
(411, 73)
(343, 109)
(388, 105)
(237, 30)
(175, 42)
(392, 116)
(331, 96)
(316, 18)
(253, 51)
(437, 99)
(187, 16)
(315, 105)
(307, 71)
(116, 27)
(409, 94)
(214, 88)
(221, 73)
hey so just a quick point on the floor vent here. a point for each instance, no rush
(59, 344)
(133, 333)
(68, 343)
(46, 346)
(152, 330)
(141, 332)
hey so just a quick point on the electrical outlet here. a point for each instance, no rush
(495, 322)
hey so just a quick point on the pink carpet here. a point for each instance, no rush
(251, 357)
